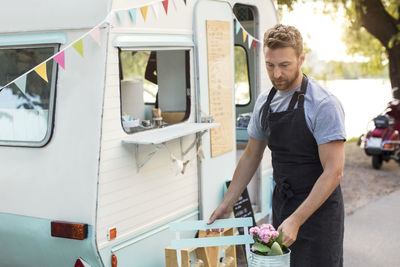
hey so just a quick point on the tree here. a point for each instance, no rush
(373, 31)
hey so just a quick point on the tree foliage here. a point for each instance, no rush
(372, 31)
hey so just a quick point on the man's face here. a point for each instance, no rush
(283, 66)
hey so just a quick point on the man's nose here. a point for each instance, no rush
(277, 72)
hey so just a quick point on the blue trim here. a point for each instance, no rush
(212, 241)
(203, 224)
(147, 40)
(33, 39)
(27, 241)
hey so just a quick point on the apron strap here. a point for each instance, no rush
(298, 96)
(266, 108)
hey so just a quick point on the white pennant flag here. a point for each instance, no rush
(250, 40)
(173, 1)
(21, 83)
(156, 8)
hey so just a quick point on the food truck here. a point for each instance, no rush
(118, 117)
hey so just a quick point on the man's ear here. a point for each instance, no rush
(302, 58)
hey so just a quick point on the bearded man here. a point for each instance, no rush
(303, 126)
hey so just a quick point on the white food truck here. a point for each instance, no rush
(131, 124)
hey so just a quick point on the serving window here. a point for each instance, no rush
(155, 88)
(26, 106)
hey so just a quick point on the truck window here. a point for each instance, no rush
(26, 110)
(155, 88)
(242, 84)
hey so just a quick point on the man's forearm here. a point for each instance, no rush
(245, 170)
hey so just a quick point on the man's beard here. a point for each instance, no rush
(287, 83)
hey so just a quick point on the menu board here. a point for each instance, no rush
(220, 85)
(242, 207)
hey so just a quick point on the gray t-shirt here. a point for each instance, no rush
(323, 111)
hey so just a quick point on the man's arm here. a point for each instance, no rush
(332, 159)
(245, 170)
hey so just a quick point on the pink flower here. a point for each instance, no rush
(253, 230)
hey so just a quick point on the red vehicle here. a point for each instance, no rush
(383, 142)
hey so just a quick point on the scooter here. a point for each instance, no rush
(383, 142)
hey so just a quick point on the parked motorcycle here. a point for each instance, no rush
(383, 142)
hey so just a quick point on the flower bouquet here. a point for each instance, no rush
(268, 249)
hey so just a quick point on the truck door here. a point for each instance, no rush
(213, 31)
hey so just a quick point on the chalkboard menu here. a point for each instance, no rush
(242, 207)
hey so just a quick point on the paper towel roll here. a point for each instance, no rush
(132, 98)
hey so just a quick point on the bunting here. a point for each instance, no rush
(255, 42)
(95, 34)
(119, 15)
(156, 9)
(60, 59)
(132, 13)
(250, 41)
(144, 12)
(41, 70)
(174, 2)
(165, 4)
(78, 46)
(237, 27)
(21, 83)
(244, 36)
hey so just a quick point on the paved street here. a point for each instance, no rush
(372, 234)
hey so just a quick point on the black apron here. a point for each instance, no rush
(296, 168)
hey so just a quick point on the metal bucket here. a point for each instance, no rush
(269, 261)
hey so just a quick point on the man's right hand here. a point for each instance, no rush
(221, 212)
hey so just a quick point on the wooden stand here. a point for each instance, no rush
(209, 255)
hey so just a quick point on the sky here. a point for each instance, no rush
(321, 32)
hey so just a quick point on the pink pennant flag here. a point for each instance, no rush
(95, 33)
(165, 4)
(60, 59)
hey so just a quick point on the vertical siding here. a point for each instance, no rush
(132, 201)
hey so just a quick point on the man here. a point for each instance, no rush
(303, 126)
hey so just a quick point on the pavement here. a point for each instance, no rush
(372, 234)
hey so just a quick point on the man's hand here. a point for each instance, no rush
(290, 228)
(221, 212)
(244, 171)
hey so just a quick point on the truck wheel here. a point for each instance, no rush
(377, 162)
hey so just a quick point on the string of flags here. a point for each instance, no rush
(94, 33)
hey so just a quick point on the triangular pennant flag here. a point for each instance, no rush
(250, 41)
(165, 4)
(144, 12)
(42, 71)
(132, 13)
(60, 59)
(21, 83)
(156, 8)
(95, 33)
(244, 35)
(119, 15)
(184, 1)
(255, 42)
(78, 46)
(174, 1)
(237, 27)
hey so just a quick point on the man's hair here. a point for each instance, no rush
(281, 36)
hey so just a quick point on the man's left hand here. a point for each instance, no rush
(290, 228)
